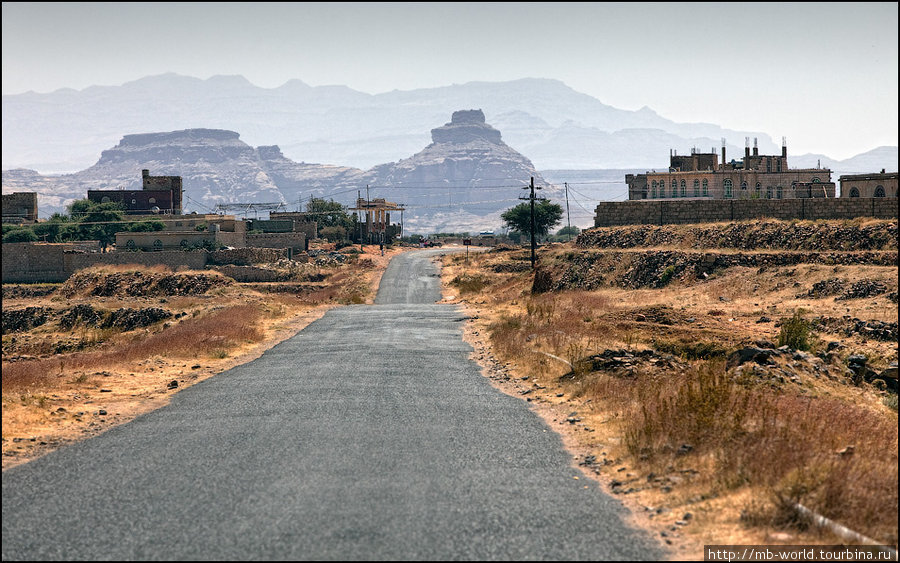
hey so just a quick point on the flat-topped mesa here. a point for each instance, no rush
(466, 126)
(176, 136)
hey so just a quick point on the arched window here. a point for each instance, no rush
(696, 188)
(816, 181)
(129, 244)
(779, 192)
(151, 200)
(157, 244)
(653, 190)
(674, 188)
(758, 190)
(683, 188)
(104, 199)
(768, 192)
(744, 186)
(854, 192)
(705, 187)
(727, 185)
(879, 191)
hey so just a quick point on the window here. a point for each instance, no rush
(683, 188)
(727, 185)
(758, 189)
(129, 244)
(152, 200)
(779, 192)
(653, 190)
(768, 192)
(104, 199)
(705, 187)
(696, 188)
(879, 191)
(674, 188)
(816, 181)
(744, 186)
(157, 244)
(854, 192)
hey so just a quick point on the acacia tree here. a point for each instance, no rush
(546, 216)
(329, 215)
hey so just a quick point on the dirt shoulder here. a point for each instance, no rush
(93, 378)
(605, 366)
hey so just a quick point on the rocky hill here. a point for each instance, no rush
(461, 181)
(216, 166)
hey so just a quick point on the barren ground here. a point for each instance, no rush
(64, 383)
(631, 366)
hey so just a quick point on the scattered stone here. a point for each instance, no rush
(172, 384)
(748, 354)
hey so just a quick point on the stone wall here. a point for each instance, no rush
(174, 259)
(714, 211)
(26, 262)
(54, 262)
(294, 241)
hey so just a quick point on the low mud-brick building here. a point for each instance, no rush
(161, 195)
(883, 184)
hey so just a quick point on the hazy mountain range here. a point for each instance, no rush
(557, 127)
(206, 131)
(462, 180)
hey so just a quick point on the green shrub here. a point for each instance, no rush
(796, 332)
(667, 275)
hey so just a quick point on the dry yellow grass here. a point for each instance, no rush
(50, 399)
(750, 447)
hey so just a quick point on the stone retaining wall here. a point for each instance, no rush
(664, 212)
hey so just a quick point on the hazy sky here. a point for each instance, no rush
(822, 74)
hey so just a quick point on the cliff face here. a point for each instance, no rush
(215, 165)
(461, 181)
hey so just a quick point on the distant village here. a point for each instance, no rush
(698, 187)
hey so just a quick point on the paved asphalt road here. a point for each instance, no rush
(369, 435)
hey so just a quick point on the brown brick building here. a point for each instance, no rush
(160, 195)
(20, 207)
(702, 176)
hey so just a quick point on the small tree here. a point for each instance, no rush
(546, 216)
(568, 231)
(330, 214)
(22, 234)
(333, 234)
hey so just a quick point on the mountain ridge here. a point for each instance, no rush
(62, 130)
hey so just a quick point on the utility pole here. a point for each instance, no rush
(359, 197)
(533, 240)
(568, 216)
